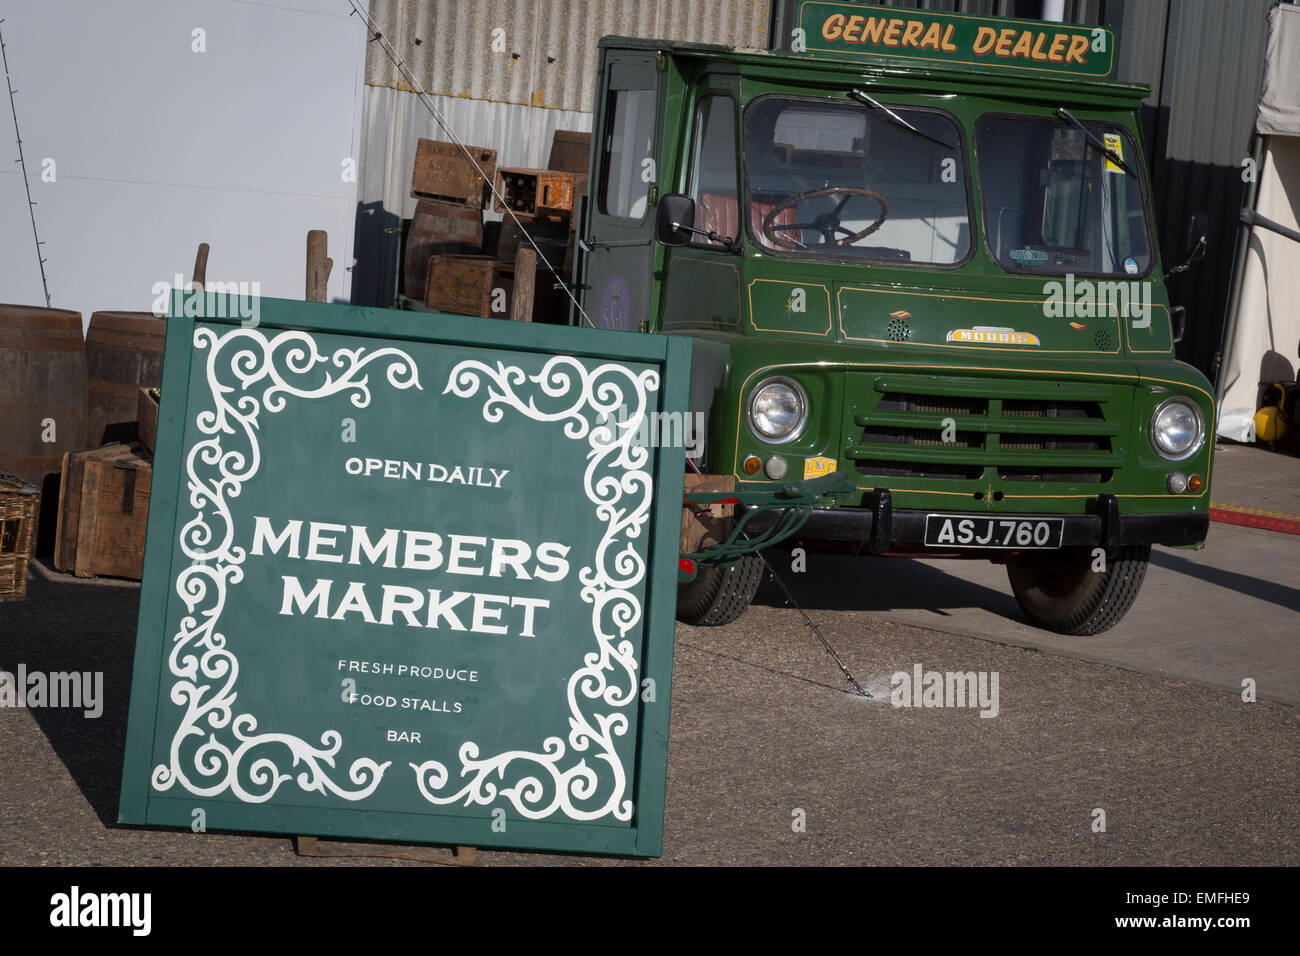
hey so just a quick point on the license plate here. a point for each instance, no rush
(978, 531)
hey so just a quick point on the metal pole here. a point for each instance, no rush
(31, 206)
(1054, 10)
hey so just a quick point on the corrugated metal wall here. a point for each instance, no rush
(540, 52)
(1200, 128)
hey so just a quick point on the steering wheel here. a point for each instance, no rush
(828, 223)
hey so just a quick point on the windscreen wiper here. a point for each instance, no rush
(898, 120)
(1106, 151)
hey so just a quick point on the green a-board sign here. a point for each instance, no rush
(999, 43)
(408, 577)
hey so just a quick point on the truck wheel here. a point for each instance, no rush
(719, 596)
(1060, 591)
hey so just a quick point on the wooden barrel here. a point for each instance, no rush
(124, 352)
(42, 389)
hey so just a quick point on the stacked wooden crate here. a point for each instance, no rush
(449, 183)
(452, 263)
(104, 511)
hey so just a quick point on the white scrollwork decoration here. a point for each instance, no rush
(215, 750)
(608, 405)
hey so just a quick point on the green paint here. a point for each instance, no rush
(890, 317)
(391, 591)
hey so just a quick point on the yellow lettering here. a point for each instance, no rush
(1078, 46)
(873, 30)
(932, 37)
(1057, 53)
(851, 31)
(984, 38)
(1024, 45)
(1003, 47)
(1038, 53)
(891, 34)
(833, 27)
(912, 35)
(948, 45)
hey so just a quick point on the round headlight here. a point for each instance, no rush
(778, 409)
(1177, 429)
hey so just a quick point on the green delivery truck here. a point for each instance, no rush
(917, 255)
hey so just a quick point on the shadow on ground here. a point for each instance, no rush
(1264, 589)
(99, 635)
(837, 582)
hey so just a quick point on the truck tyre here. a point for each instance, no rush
(1060, 591)
(719, 596)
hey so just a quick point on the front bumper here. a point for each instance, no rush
(882, 527)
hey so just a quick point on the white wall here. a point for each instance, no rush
(158, 148)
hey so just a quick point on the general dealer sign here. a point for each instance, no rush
(995, 42)
(408, 577)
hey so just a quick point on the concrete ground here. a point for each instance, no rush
(1145, 723)
(1213, 617)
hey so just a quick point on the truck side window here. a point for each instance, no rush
(714, 175)
(626, 159)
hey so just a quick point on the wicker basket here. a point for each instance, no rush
(19, 504)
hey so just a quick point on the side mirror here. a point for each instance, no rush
(675, 219)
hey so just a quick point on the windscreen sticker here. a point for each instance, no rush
(1029, 257)
(1116, 146)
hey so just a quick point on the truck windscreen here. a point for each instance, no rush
(1054, 204)
(846, 181)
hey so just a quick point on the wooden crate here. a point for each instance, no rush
(20, 503)
(438, 229)
(103, 512)
(536, 192)
(569, 151)
(444, 172)
(467, 285)
(147, 417)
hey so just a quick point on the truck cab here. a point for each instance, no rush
(921, 254)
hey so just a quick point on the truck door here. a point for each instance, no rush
(620, 220)
(702, 279)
